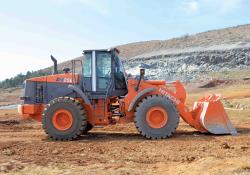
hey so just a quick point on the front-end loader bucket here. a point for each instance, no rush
(211, 116)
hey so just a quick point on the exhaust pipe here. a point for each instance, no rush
(55, 65)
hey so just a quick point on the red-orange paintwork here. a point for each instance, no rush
(62, 119)
(31, 111)
(157, 117)
(101, 115)
(57, 78)
(98, 113)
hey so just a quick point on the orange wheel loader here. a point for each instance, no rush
(100, 93)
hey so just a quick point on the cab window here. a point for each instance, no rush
(120, 80)
(103, 64)
(103, 70)
(87, 66)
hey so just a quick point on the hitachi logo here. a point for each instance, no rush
(64, 80)
(165, 93)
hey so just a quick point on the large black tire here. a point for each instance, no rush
(141, 122)
(77, 111)
(88, 128)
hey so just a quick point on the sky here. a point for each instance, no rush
(30, 31)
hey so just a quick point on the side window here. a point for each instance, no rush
(120, 80)
(103, 65)
(118, 65)
(87, 65)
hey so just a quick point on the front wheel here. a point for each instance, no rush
(156, 117)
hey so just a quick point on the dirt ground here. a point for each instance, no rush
(10, 96)
(119, 149)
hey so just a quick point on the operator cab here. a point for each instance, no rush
(103, 74)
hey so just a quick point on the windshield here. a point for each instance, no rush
(103, 63)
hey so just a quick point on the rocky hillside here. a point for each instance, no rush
(232, 37)
(187, 58)
(191, 57)
(188, 66)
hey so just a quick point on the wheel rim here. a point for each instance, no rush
(62, 119)
(156, 117)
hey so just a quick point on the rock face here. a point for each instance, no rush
(188, 66)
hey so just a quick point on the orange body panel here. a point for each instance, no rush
(101, 115)
(58, 78)
(98, 113)
(31, 111)
(156, 82)
(178, 96)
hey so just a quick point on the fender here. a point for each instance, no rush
(138, 96)
(80, 92)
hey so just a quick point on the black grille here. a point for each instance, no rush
(39, 93)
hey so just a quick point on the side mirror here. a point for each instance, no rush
(142, 73)
(66, 70)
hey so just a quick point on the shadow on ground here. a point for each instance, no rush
(243, 130)
(107, 136)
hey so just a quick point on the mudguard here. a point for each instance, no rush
(138, 96)
(80, 93)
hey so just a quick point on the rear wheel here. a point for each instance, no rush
(156, 117)
(64, 118)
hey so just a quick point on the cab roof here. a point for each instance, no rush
(103, 50)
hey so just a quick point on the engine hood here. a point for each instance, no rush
(58, 78)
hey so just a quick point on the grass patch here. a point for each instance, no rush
(233, 74)
(244, 169)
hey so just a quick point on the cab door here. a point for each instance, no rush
(87, 71)
(103, 71)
